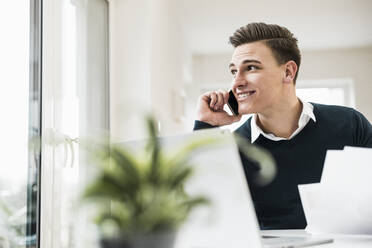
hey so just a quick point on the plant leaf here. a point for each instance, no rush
(178, 175)
(184, 153)
(153, 147)
(263, 157)
(126, 162)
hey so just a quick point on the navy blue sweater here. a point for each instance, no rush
(300, 161)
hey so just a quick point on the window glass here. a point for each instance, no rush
(17, 175)
(333, 96)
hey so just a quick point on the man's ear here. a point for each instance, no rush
(290, 71)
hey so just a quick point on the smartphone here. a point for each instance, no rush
(233, 103)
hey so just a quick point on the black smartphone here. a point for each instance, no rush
(233, 103)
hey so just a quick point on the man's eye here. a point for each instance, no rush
(252, 67)
(233, 72)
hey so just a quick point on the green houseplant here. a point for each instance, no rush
(142, 195)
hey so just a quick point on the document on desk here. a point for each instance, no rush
(342, 202)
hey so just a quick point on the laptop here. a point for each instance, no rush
(230, 220)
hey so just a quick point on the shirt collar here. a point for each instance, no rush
(307, 110)
(306, 114)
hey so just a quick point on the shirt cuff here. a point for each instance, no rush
(198, 125)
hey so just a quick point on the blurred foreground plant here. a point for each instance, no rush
(144, 193)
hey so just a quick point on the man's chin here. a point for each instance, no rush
(246, 111)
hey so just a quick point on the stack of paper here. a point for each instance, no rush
(342, 201)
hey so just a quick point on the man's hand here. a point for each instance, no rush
(210, 109)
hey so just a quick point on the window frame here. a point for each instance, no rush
(35, 110)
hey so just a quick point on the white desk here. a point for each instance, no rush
(340, 241)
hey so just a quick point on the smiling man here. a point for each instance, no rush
(264, 66)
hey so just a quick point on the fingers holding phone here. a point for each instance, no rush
(218, 99)
(210, 108)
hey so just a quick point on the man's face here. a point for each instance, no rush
(258, 79)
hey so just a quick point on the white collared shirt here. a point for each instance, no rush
(306, 114)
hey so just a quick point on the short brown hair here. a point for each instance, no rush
(279, 39)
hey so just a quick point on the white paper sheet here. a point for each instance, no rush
(342, 202)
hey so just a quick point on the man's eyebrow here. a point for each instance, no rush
(246, 61)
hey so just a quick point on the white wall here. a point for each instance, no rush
(147, 60)
(353, 63)
(130, 69)
(167, 60)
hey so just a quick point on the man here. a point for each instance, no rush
(264, 67)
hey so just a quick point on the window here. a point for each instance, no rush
(75, 107)
(20, 125)
(327, 91)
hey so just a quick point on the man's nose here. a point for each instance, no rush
(239, 81)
